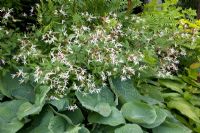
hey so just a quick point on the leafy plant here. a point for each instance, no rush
(92, 66)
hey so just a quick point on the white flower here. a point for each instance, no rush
(72, 107)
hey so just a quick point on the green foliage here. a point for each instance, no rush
(92, 66)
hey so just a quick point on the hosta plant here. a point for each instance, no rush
(90, 66)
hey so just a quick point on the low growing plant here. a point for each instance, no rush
(90, 68)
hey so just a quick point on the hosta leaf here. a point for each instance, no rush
(40, 123)
(76, 116)
(129, 128)
(161, 115)
(173, 84)
(73, 129)
(9, 109)
(41, 93)
(60, 104)
(28, 109)
(184, 107)
(152, 91)
(12, 88)
(83, 130)
(125, 90)
(103, 108)
(8, 117)
(57, 125)
(95, 101)
(169, 127)
(114, 119)
(12, 127)
(139, 112)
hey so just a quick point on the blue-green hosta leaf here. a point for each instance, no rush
(83, 130)
(139, 112)
(8, 117)
(48, 121)
(95, 101)
(129, 128)
(184, 107)
(73, 129)
(12, 88)
(28, 109)
(76, 116)
(60, 104)
(152, 91)
(57, 125)
(161, 116)
(125, 90)
(173, 84)
(103, 108)
(40, 95)
(12, 127)
(171, 127)
(114, 119)
(40, 123)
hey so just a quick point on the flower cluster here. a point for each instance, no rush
(83, 56)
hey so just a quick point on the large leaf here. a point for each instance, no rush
(57, 125)
(83, 130)
(173, 84)
(169, 127)
(12, 127)
(60, 104)
(114, 119)
(12, 88)
(129, 128)
(40, 123)
(151, 91)
(100, 102)
(76, 116)
(125, 90)
(28, 108)
(161, 116)
(184, 107)
(8, 117)
(139, 112)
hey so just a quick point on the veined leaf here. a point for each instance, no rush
(173, 84)
(139, 112)
(97, 102)
(184, 107)
(28, 108)
(125, 90)
(8, 117)
(169, 127)
(129, 128)
(60, 104)
(161, 116)
(12, 88)
(114, 119)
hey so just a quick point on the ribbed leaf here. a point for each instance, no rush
(139, 112)
(95, 102)
(129, 128)
(114, 119)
